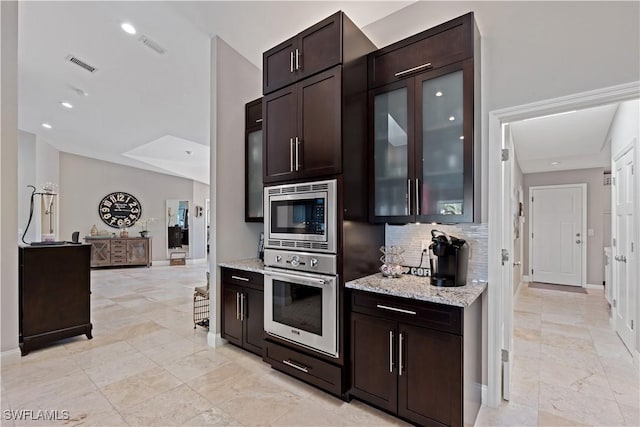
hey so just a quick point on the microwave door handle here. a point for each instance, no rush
(299, 278)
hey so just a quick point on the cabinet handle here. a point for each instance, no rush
(242, 308)
(408, 197)
(244, 279)
(411, 70)
(296, 366)
(390, 351)
(291, 154)
(237, 306)
(291, 61)
(258, 120)
(399, 310)
(401, 343)
(417, 196)
(297, 59)
(298, 141)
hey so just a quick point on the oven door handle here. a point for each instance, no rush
(296, 277)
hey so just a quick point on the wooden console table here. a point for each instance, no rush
(120, 251)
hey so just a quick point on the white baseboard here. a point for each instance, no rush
(215, 340)
(590, 286)
(525, 278)
(163, 262)
(483, 394)
(11, 353)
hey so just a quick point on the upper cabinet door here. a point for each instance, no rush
(279, 129)
(279, 66)
(317, 150)
(314, 50)
(391, 116)
(319, 47)
(444, 145)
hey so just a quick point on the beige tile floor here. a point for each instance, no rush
(569, 367)
(147, 366)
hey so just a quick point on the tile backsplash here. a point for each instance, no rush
(410, 238)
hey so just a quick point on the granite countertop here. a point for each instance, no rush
(249, 264)
(419, 288)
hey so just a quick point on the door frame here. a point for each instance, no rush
(583, 229)
(497, 118)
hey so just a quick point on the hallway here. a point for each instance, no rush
(569, 366)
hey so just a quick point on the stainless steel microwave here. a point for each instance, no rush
(301, 216)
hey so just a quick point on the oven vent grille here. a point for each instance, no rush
(286, 244)
(287, 190)
(317, 187)
(274, 242)
(320, 246)
(305, 245)
(274, 191)
(303, 188)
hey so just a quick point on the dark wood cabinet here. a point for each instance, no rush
(253, 190)
(315, 116)
(425, 128)
(303, 128)
(243, 309)
(54, 294)
(408, 357)
(311, 51)
(120, 251)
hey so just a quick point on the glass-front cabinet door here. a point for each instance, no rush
(444, 155)
(392, 129)
(255, 191)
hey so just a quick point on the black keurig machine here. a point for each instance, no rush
(448, 257)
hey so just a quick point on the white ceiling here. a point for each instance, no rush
(147, 110)
(573, 140)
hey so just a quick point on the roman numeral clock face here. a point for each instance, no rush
(119, 210)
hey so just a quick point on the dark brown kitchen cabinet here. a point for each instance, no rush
(311, 51)
(303, 128)
(54, 294)
(243, 309)
(424, 131)
(314, 107)
(253, 202)
(408, 358)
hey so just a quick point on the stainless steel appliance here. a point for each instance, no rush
(301, 216)
(449, 257)
(301, 299)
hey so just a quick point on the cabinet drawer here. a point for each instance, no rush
(248, 279)
(445, 44)
(317, 372)
(441, 317)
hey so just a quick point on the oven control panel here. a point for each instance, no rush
(301, 261)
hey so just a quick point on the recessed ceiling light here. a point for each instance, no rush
(462, 137)
(189, 152)
(46, 125)
(128, 28)
(555, 163)
(451, 118)
(438, 93)
(65, 104)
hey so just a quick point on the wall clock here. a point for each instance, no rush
(119, 210)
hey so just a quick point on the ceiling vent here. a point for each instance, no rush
(81, 63)
(152, 45)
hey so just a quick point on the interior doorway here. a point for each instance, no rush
(557, 234)
(499, 307)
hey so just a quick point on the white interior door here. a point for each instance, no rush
(557, 234)
(623, 250)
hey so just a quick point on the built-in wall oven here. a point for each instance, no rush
(301, 216)
(301, 299)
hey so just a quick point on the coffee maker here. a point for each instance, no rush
(449, 257)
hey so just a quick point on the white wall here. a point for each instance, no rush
(234, 82)
(8, 174)
(517, 183)
(624, 131)
(597, 204)
(26, 176)
(197, 225)
(84, 182)
(533, 51)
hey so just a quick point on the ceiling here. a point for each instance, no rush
(565, 141)
(151, 110)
